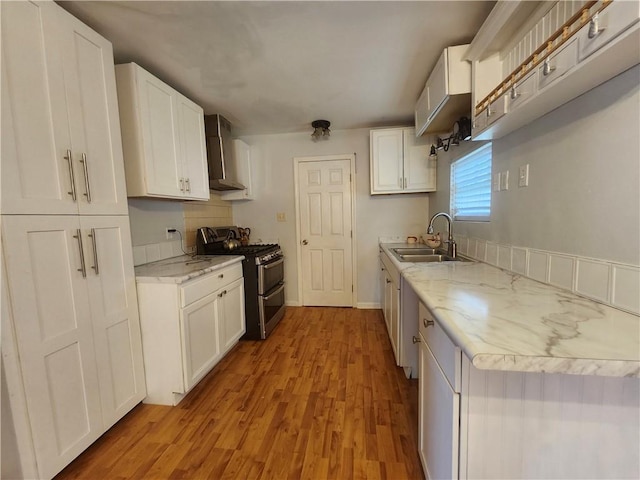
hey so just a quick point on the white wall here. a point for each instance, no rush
(150, 217)
(375, 215)
(584, 178)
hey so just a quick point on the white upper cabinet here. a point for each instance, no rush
(447, 93)
(61, 144)
(527, 63)
(400, 163)
(162, 136)
(244, 170)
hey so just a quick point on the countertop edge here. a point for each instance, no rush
(513, 362)
(230, 260)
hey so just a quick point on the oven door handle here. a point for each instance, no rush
(271, 295)
(273, 264)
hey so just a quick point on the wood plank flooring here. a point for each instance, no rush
(320, 399)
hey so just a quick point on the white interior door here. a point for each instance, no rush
(325, 225)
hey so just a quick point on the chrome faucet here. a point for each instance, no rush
(452, 249)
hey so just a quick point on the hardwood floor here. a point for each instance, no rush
(320, 399)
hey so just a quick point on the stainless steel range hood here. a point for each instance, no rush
(220, 154)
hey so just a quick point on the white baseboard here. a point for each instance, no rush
(292, 303)
(368, 305)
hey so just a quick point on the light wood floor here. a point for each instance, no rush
(321, 398)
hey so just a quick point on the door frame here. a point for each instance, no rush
(351, 157)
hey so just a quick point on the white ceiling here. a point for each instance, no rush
(273, 67)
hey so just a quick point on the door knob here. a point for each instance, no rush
(304, 242)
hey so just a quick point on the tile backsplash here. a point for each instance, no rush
(607, 282)
(156, 251)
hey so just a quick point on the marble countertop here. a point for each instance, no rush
(504, 321)
(183, 268)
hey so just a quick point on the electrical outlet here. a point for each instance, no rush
(496, 182)
(523, 177)
(504, 180)
(168, 233)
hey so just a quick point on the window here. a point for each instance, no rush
(471, 186)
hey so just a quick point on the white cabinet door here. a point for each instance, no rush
(61, 134)
(52, 322)
(438, 419)
(400, 163)
(231, 315)
(419, 167)
(93, 118)
(387, 161)
(200, 338)
(394, 321)
(114, 308)
(163, 138)
(193, 151)
(157, 115)
(437, 86)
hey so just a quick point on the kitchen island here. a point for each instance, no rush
(519, 379)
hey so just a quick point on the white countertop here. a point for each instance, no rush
(504, 321)
(183, 268)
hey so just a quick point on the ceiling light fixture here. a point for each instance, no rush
(320, 130)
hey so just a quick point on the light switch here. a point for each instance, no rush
(281, 217)
(504, 180)
(523, 176)
(496, 182)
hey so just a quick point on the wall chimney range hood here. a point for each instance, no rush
(220, 154)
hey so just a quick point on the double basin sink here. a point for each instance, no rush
(421, 255)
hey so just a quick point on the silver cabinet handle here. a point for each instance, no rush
(416, 339)
(83, 267)
(266, 299)
(181, 184)
(188, 185)
(594, 26)
(87, 187)
(547, 68)
(428, 323)
(514, 93)
(72, 179)
(489, 111)
(95, 251)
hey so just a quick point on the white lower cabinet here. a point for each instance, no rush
(399, 309)
(188, 328)
(479, 424)
(73, 324)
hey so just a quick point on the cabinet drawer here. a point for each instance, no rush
(447, 354)
(522, 91)
(558, 64)
(497, 109)
(203, 286)
(609, 23)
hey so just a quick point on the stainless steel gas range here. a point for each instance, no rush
(263, 270)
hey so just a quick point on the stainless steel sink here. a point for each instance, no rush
(424, 255)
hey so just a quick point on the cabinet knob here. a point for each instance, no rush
(514, 93)
(428, 323)
(221, 275)
(416, 339)
(387, 280)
